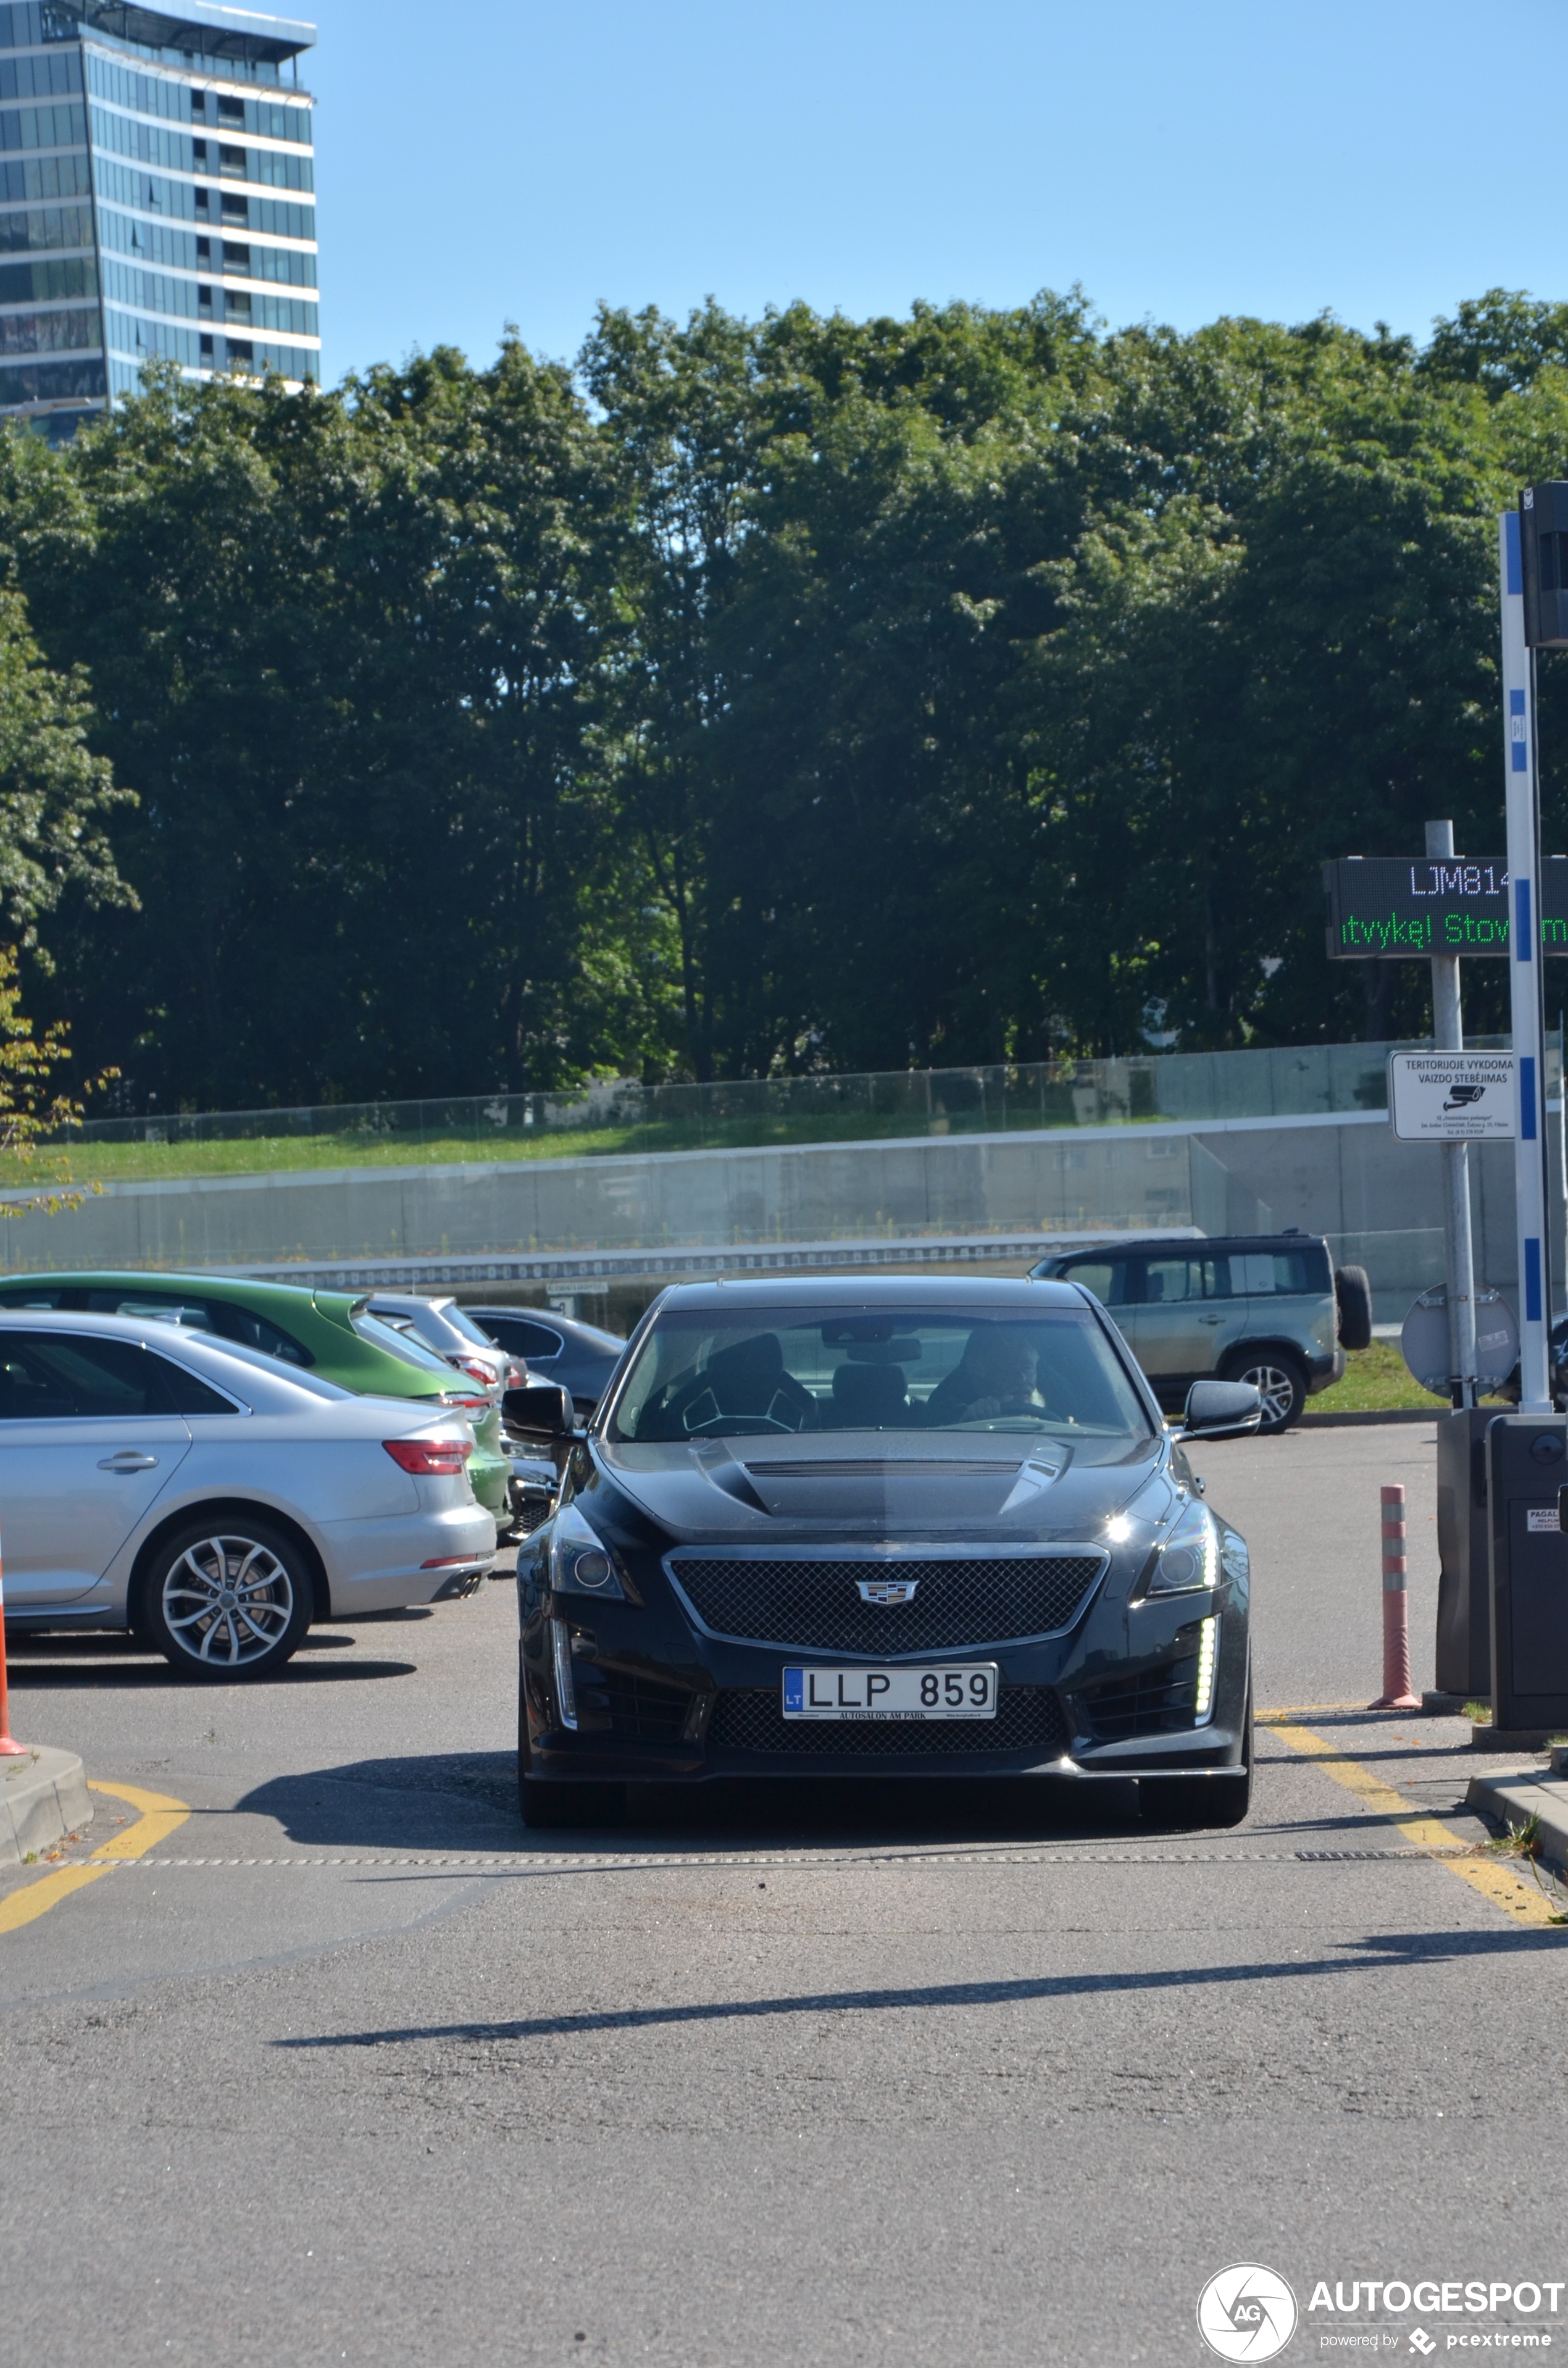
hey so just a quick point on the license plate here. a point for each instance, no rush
(966, 1690)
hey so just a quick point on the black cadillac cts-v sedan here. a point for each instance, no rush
(884, 1529)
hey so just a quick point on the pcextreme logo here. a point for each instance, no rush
(1246, 2313)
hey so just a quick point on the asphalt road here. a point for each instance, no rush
(948, 2079)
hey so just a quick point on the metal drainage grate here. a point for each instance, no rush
(1439, 1850)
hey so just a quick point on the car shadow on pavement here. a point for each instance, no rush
(455, 1800)
(118, 1662)
(468, 1801)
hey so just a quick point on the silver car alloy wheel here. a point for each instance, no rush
(1274, 1387)
(227, 1600)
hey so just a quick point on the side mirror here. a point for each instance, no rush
(544, 1410)
(1221, 1410)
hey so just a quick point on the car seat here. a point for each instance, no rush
(747, 1383)
(870, 1397)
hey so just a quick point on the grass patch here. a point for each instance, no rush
(1518, 1841)
(368, 1147)
(1479, 1713)
(1524, 1842)
(1375, 1378)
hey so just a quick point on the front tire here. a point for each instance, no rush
(546, 1804)
(226, 1601)
(1280, 1382)
(1188, 1803)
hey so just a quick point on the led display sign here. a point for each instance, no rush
(1389, 907)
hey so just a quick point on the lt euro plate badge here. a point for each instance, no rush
(960, 1689)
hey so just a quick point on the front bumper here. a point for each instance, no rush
(656, 1700)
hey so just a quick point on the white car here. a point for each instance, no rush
(442, 1325)
(213, 1500)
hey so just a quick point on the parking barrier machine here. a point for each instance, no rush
(1464, 1555)
(1527, 1466)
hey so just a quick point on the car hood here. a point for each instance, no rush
(882, 1487)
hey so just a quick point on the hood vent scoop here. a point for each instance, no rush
(734, 1481)
(910, 1467)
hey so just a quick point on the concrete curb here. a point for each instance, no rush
(1522, 1793)
(42, 1797)
(1346, 1421)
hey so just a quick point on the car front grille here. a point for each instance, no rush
(1161, 1701)
(815, 1604)
(634, 1709)
(1028, 1718)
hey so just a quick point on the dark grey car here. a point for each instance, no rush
(555, 1349)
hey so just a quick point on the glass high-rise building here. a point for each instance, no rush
(155, 201)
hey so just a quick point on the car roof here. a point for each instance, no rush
(199, 1350)
(571, 1328)
(872, 1292)
(216, 1286)
(1196, 1246)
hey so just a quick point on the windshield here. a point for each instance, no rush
(402, 1345)
(452, 1314)
(710, 1375)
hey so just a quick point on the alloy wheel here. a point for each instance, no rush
(1276, 1387)
(227, 1600)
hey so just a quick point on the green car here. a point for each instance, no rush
(329, 1332)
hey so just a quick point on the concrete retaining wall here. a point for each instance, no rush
(1378, 1201)
(965, 1184)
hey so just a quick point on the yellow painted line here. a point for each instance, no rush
(1310, 1709)
(1520, 1897)
(160, 1816)
(39, 1897)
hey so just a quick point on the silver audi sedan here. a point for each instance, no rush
(215, 1502)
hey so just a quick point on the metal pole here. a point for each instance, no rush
(1447, 1036)
(1524, 975)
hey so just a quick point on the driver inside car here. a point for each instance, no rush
(995, 1377)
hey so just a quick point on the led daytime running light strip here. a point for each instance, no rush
(1208, 1654)
(565, 1691)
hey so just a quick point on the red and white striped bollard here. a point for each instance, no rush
(1396, 1693)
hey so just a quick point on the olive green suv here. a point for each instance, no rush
(327, 1332)
(1270, 1309)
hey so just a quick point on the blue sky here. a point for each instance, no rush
(494, 160)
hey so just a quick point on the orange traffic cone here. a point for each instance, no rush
(8, 1750)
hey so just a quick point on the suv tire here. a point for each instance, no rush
(1281, 1380)
(226, 1599)
(1353, 1300)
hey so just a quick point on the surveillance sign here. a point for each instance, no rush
(1453, 1097)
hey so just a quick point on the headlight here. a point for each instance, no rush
(579, 1564)
(1189, 1559)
